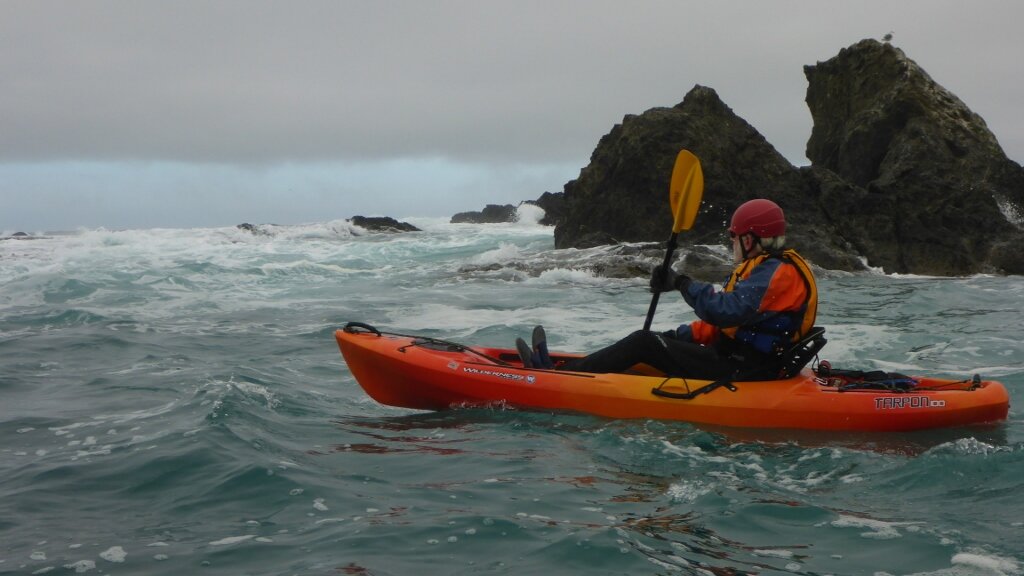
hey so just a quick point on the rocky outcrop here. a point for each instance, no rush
(622, 195)
(372, 224)
(22, 236)
(903, 176)
(930, 187)
(255, 229)
(491, 214)
(382, 224)
(553, 204)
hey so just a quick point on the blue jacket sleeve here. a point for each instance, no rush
(739, 307)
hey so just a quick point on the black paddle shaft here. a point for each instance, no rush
(670, 250)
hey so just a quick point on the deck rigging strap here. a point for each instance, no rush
(848, 380)
(691, 394)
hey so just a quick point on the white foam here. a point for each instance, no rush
(992, 564)
(684, 491)
(504, 253)
(876, 529)
(526, 224)
(970, 446)
(253, 389)
(333, 229)
(770, 553)
(114, 554)
(107, 419)
(813, 479)
(330, 521)
(81, 566)
(567, 276)
(696, 453)
(100, 451)
(846, 342)
(529, 214)
(1010, 211)
(306, 266)
(231, 540)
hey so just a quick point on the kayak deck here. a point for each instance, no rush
(427, 374)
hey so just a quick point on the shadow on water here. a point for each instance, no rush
(893, 443)
(470, 419)
(443, 433)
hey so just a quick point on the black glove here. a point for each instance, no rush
(668, 280)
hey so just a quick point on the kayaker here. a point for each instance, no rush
(769, 301)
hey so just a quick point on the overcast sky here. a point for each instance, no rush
(138, 114)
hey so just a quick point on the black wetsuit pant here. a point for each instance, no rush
(665, 352)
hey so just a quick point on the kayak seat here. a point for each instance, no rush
(793, 359)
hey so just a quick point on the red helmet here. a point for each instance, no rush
(762, 217)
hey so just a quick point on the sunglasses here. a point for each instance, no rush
(732, 235)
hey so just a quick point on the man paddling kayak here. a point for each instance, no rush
(769, 301)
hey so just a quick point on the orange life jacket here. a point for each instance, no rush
(810, 304)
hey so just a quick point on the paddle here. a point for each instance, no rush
(684, 193)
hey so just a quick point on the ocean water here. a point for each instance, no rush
(173, 402)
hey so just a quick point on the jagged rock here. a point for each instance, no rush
(622, 195)
(491, 214)
(553, 204)
(254, 229)
(382, 224)
(903, 174)
(22, 236)
(1006, 257)
(928, 182)
(707, 265)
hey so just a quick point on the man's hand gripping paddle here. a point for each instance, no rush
(685, 192)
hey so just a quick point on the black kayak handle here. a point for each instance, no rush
(352, 326)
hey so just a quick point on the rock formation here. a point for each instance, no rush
(553, 204)
(255, 229)
(491, 214)
(23, 236)
(903, 174)
(930, 189)
(622, 195)
(382, 224)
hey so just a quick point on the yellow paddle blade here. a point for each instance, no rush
(685, 190)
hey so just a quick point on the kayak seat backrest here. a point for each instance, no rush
(793, 359)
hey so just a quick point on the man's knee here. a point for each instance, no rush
(645, 338)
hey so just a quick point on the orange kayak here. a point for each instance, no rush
(428, 374)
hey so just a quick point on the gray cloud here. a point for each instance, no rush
(244, 81)
(129, 113)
